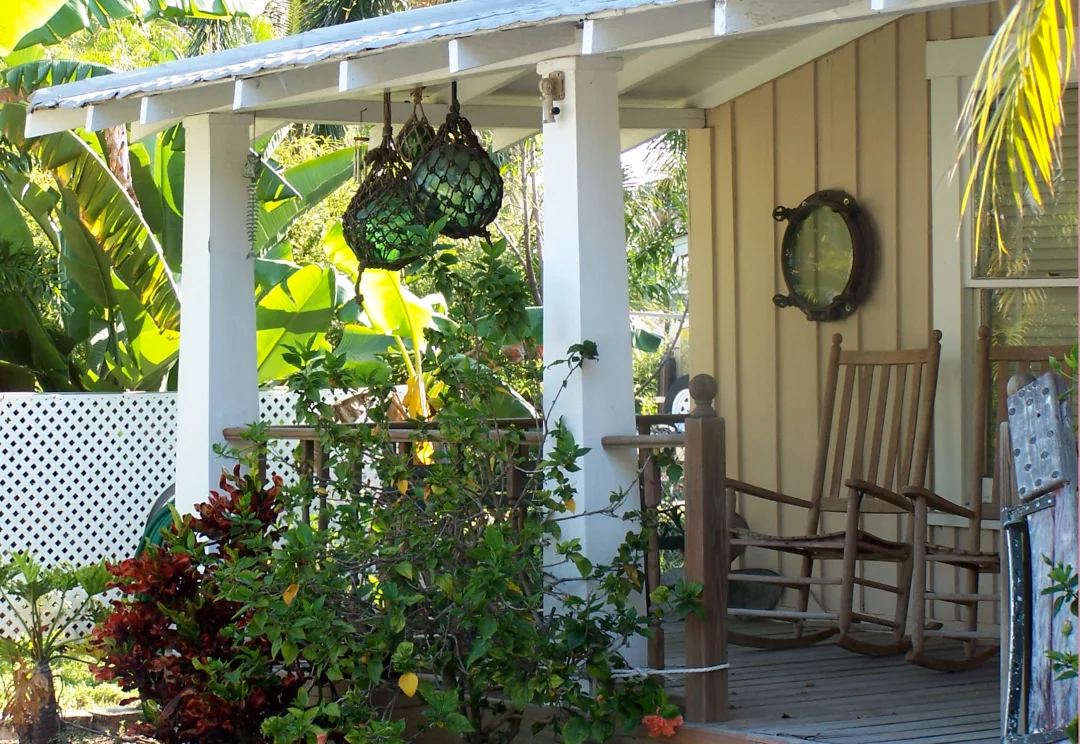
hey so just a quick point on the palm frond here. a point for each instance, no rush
(1014, 113)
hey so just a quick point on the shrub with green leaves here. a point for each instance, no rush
(427, 575)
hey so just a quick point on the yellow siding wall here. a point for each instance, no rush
(856, 119)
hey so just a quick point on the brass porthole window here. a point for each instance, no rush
(827, 256)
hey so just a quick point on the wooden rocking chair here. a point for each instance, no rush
(995, 365)
(874, 442)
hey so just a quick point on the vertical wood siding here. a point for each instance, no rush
(856, 119)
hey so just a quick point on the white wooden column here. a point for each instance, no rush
(586, 295)
(218, 384)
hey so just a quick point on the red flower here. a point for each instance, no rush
(660, 726)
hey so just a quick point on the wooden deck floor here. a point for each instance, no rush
(828, 695)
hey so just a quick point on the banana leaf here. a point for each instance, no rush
(315, 180)
(27, 77)
(22, 17)
(297, 312)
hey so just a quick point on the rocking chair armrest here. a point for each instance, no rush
(866, 488)
(936, 502)
(765, 493)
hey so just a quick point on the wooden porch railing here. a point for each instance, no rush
(705, 520)
(706, 542)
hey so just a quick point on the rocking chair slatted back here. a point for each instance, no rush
(879, 429)
(994, 366)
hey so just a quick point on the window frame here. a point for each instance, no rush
(956, 303)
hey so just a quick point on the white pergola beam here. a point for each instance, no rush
(481, 116)
(267, 90)
(743, 16)
(478, 86)
(185, 102)
(50, 121)
(687, 21)
(631, 138)
(512, 47)
(653, 63)
(394, 68)
(107, 115)
(502, 139)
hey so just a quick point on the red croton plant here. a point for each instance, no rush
(174, 642)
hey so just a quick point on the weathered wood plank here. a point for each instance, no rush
(1045, 457)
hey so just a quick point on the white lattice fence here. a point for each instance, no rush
(79, 472)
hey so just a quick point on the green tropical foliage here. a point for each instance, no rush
(47, 22)
(119, 251)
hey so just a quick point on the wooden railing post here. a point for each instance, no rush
(707, 542)
(650, 502)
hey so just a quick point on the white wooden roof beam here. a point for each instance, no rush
(651, 64)
(394, 68)
(478, 86)
(107, 115)
(787, 59)
(687, 21)
(49, 121)
(516, 47)
(268, 90)
(186, 101)
(482, 117)
(744, 16)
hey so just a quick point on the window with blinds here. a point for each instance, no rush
(1041, 242)
(1030, 306)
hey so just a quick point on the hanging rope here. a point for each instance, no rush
(416, 134)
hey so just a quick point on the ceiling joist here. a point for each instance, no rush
(687, 21)
(180, 103)
(111, 115)
(394, 69)
(253, 93)
(745, 16)
(512, 48)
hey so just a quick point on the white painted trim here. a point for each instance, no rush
(973, 283)
(960, 57)
(948, 295)
(791, 57)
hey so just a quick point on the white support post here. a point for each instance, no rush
(586, 298)
(219, 385)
